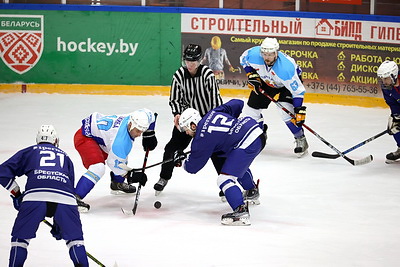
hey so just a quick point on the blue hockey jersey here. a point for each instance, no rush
(49, 171)
(392, 97)
(220, 131)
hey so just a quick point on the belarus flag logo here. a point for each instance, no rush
(21, 41)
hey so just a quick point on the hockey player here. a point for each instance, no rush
(388, 74)
(49, 192)
(237, 140)
(276, 73)
(108, 139)
(194, 86)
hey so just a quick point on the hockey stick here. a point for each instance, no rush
(127, 168)
(87, 253)
(335, 156)
(135, 204)
(353, 162)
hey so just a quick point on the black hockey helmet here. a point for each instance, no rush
(192, 52)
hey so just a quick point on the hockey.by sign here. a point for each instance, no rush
(21, 41)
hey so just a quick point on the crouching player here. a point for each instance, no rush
(237, 140)
(49, 192)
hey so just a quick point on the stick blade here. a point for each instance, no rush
(127, 212)
(318, 154)
(363, 161)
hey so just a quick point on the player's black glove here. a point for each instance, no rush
(300, 115)
(254, 81)
(393, 124)
(149, 140)
(56, 231)
(17, 200)
(179, 156)
(136, 177)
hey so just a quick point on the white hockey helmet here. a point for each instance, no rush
(269, 45)
(47, 134)
(141, 119)
(188, 117)
(388, 69)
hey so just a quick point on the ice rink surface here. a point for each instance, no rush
(314, 212)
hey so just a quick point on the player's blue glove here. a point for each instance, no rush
(17, 201)
(179, 156)
(149, 140)
(56, 231)
(136, 177)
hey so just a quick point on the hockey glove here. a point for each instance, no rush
(17, 200)
(179, 156)
(56, 231)
(254, 81)
(149, 140)
(137, 177)
(300, 115)
(394, 124)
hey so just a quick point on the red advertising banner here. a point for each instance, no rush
(349, 2)
(336, 56)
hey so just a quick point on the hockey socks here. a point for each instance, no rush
(247, 181)
(86, 184)
(233, 194)
(77, 253)
(296, 131)
(18, 252)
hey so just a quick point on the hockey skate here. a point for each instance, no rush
(393, 156)
(159, 186)
(240, 216)
(121, 188)
(82, 206)
(252, 196)
(301, 146)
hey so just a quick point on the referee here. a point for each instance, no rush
(193, 86)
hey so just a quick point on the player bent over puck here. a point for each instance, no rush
(237, 141)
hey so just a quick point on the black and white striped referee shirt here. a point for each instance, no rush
(200, 92)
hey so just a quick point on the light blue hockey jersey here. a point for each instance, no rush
(284, 73)
(112, 135)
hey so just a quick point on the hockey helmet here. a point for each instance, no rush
(141, 119)
(192, 52)
(388, 69)
(269, 45)
(47, 134)
(188, 117)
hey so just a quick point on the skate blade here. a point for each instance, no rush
(83, 209)
(120, 193)
(301, 154)
(236, 222)
(223, 199)
(127, 212)
(157, 193)
(253, 202)
(390, 161)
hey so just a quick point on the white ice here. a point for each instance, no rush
(313, 212)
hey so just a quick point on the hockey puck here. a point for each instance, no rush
(157, 204)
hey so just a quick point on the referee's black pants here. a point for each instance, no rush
(180, 141)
